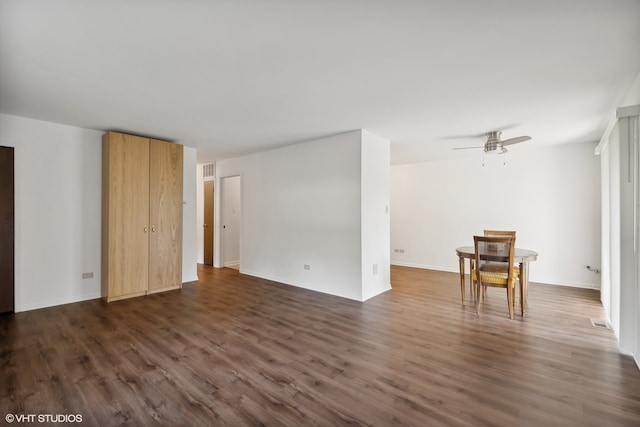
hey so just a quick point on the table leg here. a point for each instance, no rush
(472, 289)
(524, 284)
(461, 261)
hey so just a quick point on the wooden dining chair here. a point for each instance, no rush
(499, 233)
(488, 272)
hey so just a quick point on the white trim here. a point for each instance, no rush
(621, 113)
(605, 136)
(448, 270)
(289, 283)
(631, 110)
(58, 301)
(190, 279)
(424, 267)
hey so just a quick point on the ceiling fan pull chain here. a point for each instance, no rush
(504, 159)
(483, 159)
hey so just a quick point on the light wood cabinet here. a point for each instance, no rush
(141, 216)
(165, 215)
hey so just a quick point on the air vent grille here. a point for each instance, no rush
(209, 171)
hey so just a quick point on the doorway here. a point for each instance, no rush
(230, 220)
(7, 230)
(209, 188)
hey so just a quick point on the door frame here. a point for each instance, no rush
(218, 238)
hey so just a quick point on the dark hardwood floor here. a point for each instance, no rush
(237, 350)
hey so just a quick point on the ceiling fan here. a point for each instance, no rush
(495, 145)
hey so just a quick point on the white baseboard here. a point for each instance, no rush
(423, 266)
(190, 278)
(449, 270)
(290, 283)
(57, 301)
(375, 294)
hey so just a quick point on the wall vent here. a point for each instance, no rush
(209, 172)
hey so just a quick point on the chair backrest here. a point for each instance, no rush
(495, 248)
(501, 233)
(498, 233)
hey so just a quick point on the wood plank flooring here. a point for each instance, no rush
(240, 351)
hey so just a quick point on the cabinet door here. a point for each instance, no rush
(127, 213)
(165, 204)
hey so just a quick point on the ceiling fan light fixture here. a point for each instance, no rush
(496, 150)
(495, 145)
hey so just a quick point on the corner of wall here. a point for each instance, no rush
(189, 216)
(375, 214)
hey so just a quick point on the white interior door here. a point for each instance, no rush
(231, 221)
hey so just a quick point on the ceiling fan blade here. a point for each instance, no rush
(467, 148)
(480, 134)
(515, 140)
(469, 136)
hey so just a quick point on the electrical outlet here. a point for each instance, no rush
(375, 268)
(87, 275)
(398, 251)
(307, 267)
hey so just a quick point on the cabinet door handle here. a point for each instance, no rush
(145, 229)
(153, 228)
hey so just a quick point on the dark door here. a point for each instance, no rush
(7, 239)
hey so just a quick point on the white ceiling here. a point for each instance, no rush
(234, 77)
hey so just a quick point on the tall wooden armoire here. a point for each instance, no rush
(141, 216)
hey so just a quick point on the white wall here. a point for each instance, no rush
(376, 229)
(58, 211)
(189, 216)
(58, 183)
(302, 205)
(549, 195)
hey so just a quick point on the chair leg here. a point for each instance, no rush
(462, 279)
(510, 300)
